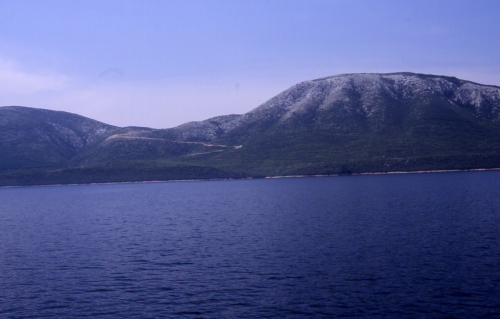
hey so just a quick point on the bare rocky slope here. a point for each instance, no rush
(342, 124)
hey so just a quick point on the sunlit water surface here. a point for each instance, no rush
(387, 246)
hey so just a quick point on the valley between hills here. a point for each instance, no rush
(339, 125)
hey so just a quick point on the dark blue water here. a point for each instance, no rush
(389, 246)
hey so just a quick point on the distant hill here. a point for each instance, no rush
(35, 138)
(344, 124)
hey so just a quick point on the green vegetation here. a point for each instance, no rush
(360, 132)
(132, 171)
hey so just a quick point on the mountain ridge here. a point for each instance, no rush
(341, 124)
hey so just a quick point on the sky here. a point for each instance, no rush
(161, 63)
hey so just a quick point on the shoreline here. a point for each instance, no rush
(265, 177)
(390, 173)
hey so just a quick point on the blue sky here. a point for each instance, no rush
(161, 63)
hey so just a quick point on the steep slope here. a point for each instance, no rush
(36, 138)
(48, 147)
(350, 123)
(369, 122)
(354, 103)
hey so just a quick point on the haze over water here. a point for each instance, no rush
(386, 246)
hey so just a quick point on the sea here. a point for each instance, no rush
(374, 246)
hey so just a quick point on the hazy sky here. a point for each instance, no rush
(163, 63)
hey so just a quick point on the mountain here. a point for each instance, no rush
(343, 124)
(35, 138)
(372, 122)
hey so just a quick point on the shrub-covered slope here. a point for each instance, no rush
(34, 138)
(343, 124)
(370, 122)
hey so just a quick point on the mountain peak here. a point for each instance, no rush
(367, 95)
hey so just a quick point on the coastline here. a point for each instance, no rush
(265, 177)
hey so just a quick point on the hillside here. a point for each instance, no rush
(371, 122)
(351, 123)
(34, 138)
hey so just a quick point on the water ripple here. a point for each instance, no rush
(409, 246)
